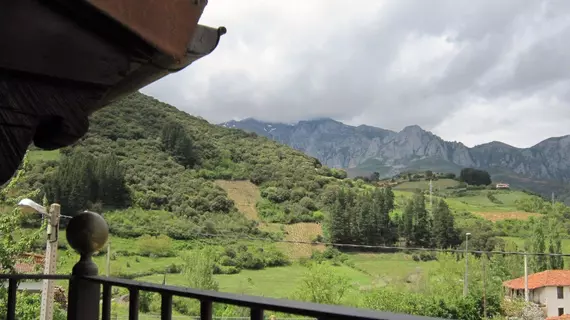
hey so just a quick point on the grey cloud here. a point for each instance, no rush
(346, 74)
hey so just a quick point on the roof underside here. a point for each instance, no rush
(61, 60)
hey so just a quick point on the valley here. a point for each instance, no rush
(193, 204)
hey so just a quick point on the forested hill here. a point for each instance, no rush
(142, 153)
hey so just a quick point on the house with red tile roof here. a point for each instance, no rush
(550, 289)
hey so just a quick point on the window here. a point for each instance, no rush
(560, 311)
(560, 291)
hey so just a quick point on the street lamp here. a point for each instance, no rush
(29, 206)
(465, 289)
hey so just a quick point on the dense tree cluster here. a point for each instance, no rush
(176, 141)
(365, 218)
(362, 218)
(475, 177)
(80, 181)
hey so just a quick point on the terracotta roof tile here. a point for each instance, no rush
(22, 267)
(548, 278)
(562, 317)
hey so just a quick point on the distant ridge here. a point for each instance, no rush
(544, 167)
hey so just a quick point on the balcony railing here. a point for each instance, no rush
(85, 289)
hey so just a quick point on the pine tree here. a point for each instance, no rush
(353, 212)
(421, 234)
(337, 222)
(444, 232)
(389, 194)
(176, 141)
(341, 224)
(407, 223)
(538, 245)
(366, 222)
(555, 246)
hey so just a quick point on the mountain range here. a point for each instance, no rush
(361, 150)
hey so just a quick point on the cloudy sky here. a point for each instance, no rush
(470, 71)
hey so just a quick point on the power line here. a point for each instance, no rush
(363, 246)
(234, 236)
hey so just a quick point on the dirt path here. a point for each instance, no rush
(515, 215)
(244, 194)
(306, 232)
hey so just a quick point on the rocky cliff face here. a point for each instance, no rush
(342, 146)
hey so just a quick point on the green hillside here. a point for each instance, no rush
(169, 161)
(176, 190)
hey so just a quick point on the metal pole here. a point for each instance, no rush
(108, 258)
(484, 258)
(465, 280)
(525, 278)
(430, 197)
(50, 263)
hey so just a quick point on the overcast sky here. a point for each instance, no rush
(469, 71)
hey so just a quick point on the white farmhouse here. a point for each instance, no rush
(550, 289)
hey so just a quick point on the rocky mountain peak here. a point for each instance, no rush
(355, 148)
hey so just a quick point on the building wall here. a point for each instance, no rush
(549, 297)
(35, 286)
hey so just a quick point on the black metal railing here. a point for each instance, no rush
(13, 281)
(256, 305)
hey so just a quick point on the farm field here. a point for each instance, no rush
(475, 201)
(43, 155)
(424, 185)
(244, 194)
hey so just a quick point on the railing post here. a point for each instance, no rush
(87, 233)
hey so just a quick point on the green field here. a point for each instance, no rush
(424, 185)
(43, 155)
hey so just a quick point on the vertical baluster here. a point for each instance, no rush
(166, 307)
(107, 301)
(205, 310)
(256, 314)
(87, 233)
(12, 289)
(134, 304)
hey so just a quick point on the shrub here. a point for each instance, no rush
(275, 194)
(308, 203)
(160, 246)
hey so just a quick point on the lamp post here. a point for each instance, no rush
(465, 280)
(50, 262)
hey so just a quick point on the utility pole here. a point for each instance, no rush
(108, 258)
(484, 260)
(466, 277)
(525, 278)
(430, 193)
(50, 264)
(553, 199)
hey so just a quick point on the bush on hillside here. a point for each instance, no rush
(236, 257)
(331, 254)
(133, 223)
(149, 246)
(533, 204)
(493, 199)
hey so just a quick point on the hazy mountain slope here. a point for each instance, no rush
(544, 167)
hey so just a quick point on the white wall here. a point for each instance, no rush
(26, 285)
(549, 296)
